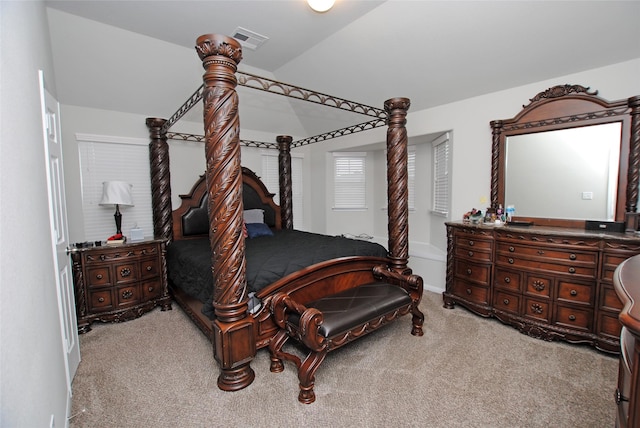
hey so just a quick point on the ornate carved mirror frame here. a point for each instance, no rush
(564, 107)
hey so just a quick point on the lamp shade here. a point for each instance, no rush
(116, 193)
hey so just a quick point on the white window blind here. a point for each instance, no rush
(349, 181)
(270, 178)
(411, 179)
(441, 175)
(114, 158)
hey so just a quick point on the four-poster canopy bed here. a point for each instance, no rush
(240, 319)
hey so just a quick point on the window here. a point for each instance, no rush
(114, 158)
(349, 181)
(270, 178)
(441, 175)
(411, 179)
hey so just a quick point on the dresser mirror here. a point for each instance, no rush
(565, 158)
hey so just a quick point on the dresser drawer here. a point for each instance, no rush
(473, 253)
(539, 285)
(610, 262)
(576, 318)
(99, 276)
(609, 299)
(506, 302)
(609, 324)
(547, 252)
(149, 268)
(472, 272)
(507, 279)
(575, 292)
(127, 295)
(471, 292)
(538, 309)
(575, 269)
(470, 240)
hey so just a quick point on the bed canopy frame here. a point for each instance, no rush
(233, 328)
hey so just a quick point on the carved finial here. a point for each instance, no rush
(561, 91)
(215, 44)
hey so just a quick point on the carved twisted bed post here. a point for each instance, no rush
(286, 186)
(634, 155)
(397, 184)
(233, 330)
(160, 179)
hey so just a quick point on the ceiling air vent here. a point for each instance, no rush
(249, 39)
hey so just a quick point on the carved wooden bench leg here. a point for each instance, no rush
(306, 376)
(275, 351)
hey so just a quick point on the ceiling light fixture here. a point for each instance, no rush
(321, 5)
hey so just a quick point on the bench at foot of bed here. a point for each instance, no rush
(333, 321)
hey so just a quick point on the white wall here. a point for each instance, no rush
(33, 386)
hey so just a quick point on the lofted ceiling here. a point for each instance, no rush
(138, 56)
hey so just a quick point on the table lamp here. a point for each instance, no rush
(117, 193)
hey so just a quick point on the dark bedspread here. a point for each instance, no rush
(269, 258)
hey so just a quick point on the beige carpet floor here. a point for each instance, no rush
(466, 371)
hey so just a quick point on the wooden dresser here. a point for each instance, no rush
(119, 283)
(627, 286)
(549, 282)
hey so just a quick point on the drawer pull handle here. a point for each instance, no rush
(619, 397)
(505, 301)
(507, 279)
(538, 285)
(150, 289)
(469, 271)
(573, 292)
(468, 291)
(149, 268)
(540, 252)
(510, 261)
(470, 253)
(572, 270)
(101, 299)
(511, 249)
(127, 294)
(103, 257)
(536, 308)
(572, 317)
(99, 276)
(471, 243)
(572, 256)
(124, 272)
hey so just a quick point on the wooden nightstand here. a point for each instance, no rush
(119, 283)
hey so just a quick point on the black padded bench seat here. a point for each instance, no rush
(331, 322)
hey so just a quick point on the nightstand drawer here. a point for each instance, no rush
(100, 300)
(127, 295)
(151, 290)
(149, 268)
(99, 276)
(126, 272)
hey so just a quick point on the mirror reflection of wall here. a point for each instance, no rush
(568, 173)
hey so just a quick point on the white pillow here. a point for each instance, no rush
(253, 216)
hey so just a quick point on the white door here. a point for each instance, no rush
(59, 231)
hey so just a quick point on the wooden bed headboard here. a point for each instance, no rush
(191, 219)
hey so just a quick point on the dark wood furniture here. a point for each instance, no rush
(119, 283)
(552, 280)
(627, 286)
(331, 322)
(549, 282)
(236, 333)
